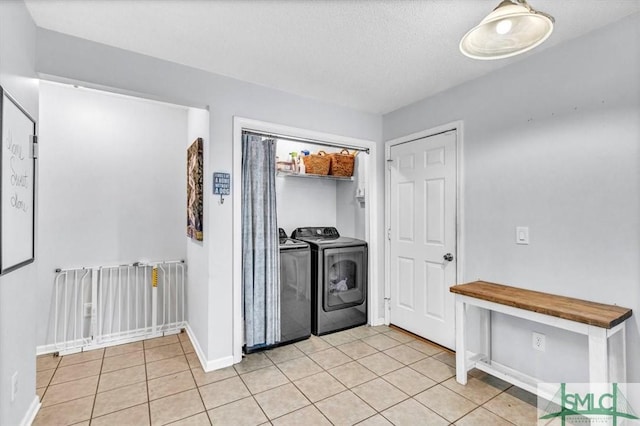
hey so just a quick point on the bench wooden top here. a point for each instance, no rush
(598, 314)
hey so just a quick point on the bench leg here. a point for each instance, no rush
(598, 355)
(461, 348)
(485, 333)
(618, 356)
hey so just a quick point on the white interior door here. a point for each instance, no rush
(423, 236)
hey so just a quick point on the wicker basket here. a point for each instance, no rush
(342, 163)
(317, 164)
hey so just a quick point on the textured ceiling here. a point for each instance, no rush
(374, 56)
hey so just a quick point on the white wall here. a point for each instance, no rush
(198, 251)
(351, 213)
(18, 288)
(551, 142)
(98, 65)
(303, 201)
(112, 184)
(577, 74)
(317, 201)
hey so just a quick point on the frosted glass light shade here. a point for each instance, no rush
(511, 29)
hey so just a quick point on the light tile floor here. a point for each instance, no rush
(366, 375)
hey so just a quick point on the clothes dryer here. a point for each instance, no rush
(339, 279)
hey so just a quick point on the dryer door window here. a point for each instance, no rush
(345, 277)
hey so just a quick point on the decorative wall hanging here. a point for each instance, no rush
(221, 185)
(195, 174)
(17, 185)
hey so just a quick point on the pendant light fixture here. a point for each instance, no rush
(512, 28)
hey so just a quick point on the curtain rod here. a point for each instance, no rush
(297, 139)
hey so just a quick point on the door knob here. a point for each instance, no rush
(448, 257)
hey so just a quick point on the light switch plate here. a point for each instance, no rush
(522, 235)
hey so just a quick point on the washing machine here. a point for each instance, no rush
(339, 279)
(295, 292)
(295, 289)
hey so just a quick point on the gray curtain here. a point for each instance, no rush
(260, 244)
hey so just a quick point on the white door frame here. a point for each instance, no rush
(457, 126)
(371, 212)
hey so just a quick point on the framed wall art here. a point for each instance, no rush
(17, 185)
(195, 174)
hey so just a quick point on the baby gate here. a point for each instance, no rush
(102, 306)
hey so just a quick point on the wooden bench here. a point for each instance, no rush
(598, 321)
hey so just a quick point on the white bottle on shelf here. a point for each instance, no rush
(301, 166)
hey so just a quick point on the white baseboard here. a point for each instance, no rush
(207, 365)
(82, 345)
(196, 346)
(51, 348)
(30, 415)
(219, 363)
(379, 321)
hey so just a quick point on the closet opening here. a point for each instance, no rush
(311, 204)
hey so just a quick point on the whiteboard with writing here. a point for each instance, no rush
(17, 181)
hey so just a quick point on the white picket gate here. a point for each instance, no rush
(102, 306)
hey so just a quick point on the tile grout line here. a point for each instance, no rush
(251, 393)
(491, 399)
(405, 399)
(69, 400)
(125, 408)
(146, 381)
(74, 380)
(195, 382)
(347, 388)
(376, 412)
(144, 349)
(461, 395)
(290, 381)
(55, 369)
(356, 339)
(313, 404)
(381, 377)
(95, 395)
(112, 412)
(436, 356)
(102, 358)
(294, 385)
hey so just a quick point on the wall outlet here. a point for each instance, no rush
(14, 386)
(87, 310)
(539, 343)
